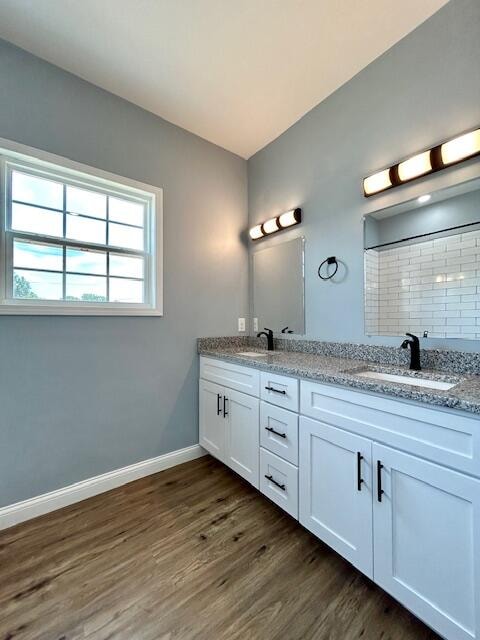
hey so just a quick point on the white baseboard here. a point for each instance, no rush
(33, 507)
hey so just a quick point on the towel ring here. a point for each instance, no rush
(328, 261)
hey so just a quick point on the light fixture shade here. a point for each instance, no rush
(461, 148)
(289, 218)
(414, 167)
(377, 182)
(270, 226)
(256, 232)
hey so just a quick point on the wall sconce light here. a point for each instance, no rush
(283, 221)
(440, 157)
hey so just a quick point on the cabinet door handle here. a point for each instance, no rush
(380, 491)
(282, 391)
(225, 412)
(360, 480)
(277, 433)
(219, 404)
(280, 486)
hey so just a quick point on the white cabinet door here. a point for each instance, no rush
(427, 541)
(335, 490)
(242, 446)
(212, 425)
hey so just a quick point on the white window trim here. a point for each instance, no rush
(43, 159)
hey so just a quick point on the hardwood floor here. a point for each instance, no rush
(192, 552)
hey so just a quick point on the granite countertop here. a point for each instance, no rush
(464, 396)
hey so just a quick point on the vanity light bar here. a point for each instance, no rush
(283, 221)
(443, 155)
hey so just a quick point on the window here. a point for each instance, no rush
(77, 242)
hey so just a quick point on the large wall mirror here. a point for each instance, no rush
(278, 287)
(422, 266)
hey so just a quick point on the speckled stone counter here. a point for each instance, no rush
(464, 396)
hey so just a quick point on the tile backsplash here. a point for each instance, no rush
(431, 286)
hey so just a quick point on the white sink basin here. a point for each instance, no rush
(414, 382)
(251, 354)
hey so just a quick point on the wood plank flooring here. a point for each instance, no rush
(190, 553)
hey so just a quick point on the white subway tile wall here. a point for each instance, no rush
(431, 286)
(371, 292)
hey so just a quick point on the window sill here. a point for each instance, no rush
(58, 310)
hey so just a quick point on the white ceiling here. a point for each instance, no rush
(236, 72)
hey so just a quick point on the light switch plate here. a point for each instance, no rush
(255, 324)
(241, 324)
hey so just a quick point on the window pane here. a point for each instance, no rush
(37, 256)
(86, 288)
(46, 193)
(86, 230)
(126, 290)
(126, 266)
(126, 211)
(86, 261)
(37, 284)
(87, 202)
(35, 220)
(127, 237)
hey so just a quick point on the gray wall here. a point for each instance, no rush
(422, 91)
(82, 396)
(457, 211)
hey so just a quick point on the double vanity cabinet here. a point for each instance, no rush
(393, 486)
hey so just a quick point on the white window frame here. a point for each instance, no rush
(27, 159)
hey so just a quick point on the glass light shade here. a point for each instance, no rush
(377, 182)
(461, 147)
(270, 226)
(288, 219)
(256, 232)
(416, 166)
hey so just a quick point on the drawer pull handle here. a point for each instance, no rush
(282, 391)
(280, 486)
(225, 412)
(360, 480)
(219, 404)
(380, 491)
(277, 433)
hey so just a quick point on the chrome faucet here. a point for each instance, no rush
(268, 333)
(414, 344)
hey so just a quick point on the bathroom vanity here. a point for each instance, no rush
(385, 473)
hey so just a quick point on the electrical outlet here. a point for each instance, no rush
(241, 324)
(255, 324)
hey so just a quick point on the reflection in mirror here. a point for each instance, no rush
(278, 287)
(422, 266)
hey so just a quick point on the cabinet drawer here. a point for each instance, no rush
(279, 482)
(279, 431)
(279, 390)
(443, 436)
(234, 376)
